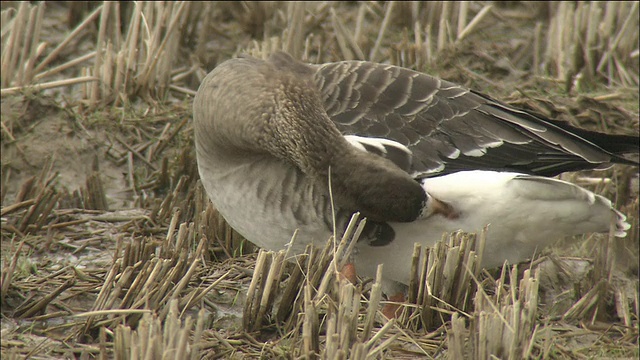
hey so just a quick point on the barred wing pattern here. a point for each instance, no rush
(448, 127)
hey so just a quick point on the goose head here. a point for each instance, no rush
(248, 107)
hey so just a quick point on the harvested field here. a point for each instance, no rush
(111, 248)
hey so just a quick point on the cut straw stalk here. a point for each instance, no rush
(65, 66)
(310, 341)
(75, 33)
(443, 26)
(454, 256)
(374, 300)
(48, 85)
(6, 210)
(501, 327)
(113, 311)
(373, 55)
(21, 48)
(467, 30)
(139, 63)
(154, 338)
(441, 280)
(146, 281)
(29, 45)
(342, 299)
(295, 30)
(346, 41)
(253, 294)
(590, 39)
(9, 270)
(462, 18)
(619, 34)
(11, 49)
(153, 56)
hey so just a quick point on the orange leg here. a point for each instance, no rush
(392, 310)
(348, 272)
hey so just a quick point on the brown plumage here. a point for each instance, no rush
(286, 120)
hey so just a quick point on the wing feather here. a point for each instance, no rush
(447, 126)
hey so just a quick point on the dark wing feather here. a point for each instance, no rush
(450, 128)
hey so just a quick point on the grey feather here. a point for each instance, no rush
(446, 125)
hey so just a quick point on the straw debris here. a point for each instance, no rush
(110, 244)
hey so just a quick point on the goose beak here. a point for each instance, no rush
(437, 207)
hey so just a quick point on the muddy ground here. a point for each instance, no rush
(82, 186)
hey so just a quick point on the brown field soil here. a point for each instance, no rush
(66, 232)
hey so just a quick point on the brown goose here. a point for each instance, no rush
(414, 154)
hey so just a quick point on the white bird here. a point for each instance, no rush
(525, 213)
(416, 155)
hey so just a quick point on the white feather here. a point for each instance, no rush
(524, 213)
(378, 143)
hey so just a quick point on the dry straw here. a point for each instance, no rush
(444, 282)
(157, 339)
(315, 300)
(20, 43)
(141, 64)
(584, 40)
(139, 279)
(452, 308)
(501, 325)
(21, 48)
(137, 63)
(38, 195)
(590, 39)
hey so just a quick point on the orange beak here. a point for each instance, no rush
(442, 208)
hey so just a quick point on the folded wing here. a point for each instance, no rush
(450, 128)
